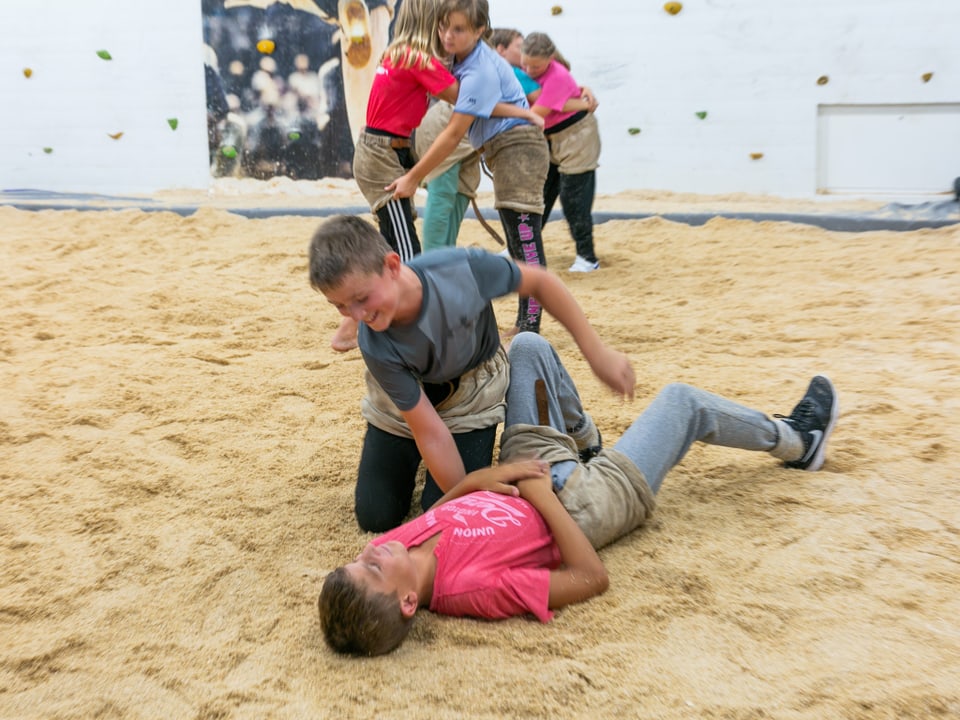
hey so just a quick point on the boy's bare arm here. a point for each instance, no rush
(498, 479)
(583, 575)
(611, 366)
(436, 445)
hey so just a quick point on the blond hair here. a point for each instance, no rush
(416, 41)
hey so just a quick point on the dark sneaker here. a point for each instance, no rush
(814, 418)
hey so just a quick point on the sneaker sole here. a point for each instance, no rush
(818, 457)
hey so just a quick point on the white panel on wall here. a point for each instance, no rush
(888, 148)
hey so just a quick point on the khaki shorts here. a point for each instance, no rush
(375, 165)
(519, 160)
(430, 127)
(478, 402)
(576, 149)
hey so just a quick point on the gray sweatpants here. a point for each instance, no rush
(657, 440)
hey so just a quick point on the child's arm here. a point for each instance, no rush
(502, 109)
(435, 443)
(443, 145)
(611, 366)
(582, 575)
(499, 479)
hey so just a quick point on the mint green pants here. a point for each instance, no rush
(444, 210)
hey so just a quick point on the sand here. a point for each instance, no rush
(179, 447)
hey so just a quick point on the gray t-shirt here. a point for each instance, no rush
(455, 331)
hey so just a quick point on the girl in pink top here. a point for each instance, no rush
(574, 140)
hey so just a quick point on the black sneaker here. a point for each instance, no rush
(814, 418)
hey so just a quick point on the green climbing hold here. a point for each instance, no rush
(633, 131)
(228, 151)
(173, 122)
(294, 135)
(48, 150)
(104, 55)
(702, 114)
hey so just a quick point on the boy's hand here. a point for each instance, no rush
(403, 187)
(501, 479)
(614, 368)
(536, 119)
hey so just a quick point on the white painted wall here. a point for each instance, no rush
(752, 65)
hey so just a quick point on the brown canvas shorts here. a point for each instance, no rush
(519, 160)
(576, 149)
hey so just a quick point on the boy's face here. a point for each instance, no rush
(511, 52)
(367, 297)
(458, 36)
(534, 66)
(386, 569)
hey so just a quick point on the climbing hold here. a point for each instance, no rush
(266, 46)
(293, 135)
(633, 131)
(702, 114)
(673, 7)
(926, 77)
(556, 10)
(823, 80)
(756, 156)
(27, 72)
(116, 135)
(173, 122)
(48, 150)
(228, 151)
(104, 55)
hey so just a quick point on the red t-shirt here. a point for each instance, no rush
(494, 556)
(399, 97)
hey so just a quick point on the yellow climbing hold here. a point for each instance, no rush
(27, 72)
(266, 46)
(116, 135)
(823, 80)
(756, 156)
(926, 77)
(556, 10)
(673, 7)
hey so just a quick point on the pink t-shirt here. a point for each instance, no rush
(399, 97)
(494, 556)
(558, 86)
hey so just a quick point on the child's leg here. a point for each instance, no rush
(476, 451)
(444, 211)
(526, 245)
(576, 197)
(396, 225)
(682, 414)
(551, 190)
(385, 480)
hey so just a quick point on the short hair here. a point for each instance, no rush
(356, 622)
(345, 244)
(477, 13)
(502, 37)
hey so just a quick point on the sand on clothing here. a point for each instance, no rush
(179, 448)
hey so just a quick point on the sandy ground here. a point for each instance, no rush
(179, 447)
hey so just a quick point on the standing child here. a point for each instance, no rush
(437, 372)
(513, 149)
(409, 73)
(574, 140)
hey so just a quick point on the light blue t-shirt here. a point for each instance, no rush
(456, 330)
(486, 79)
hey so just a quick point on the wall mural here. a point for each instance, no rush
(288, 81)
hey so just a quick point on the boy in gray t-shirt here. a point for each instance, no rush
(437, 374)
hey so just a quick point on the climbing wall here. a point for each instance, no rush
(706, 96)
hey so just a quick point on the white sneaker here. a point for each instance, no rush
(504, 253)
(584, 266)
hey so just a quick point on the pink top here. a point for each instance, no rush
(494, 556)
(399, 97)
(558, 86)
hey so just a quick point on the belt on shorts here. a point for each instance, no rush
(396, 141)
(564, 124)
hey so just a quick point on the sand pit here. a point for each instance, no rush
(179, 447)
